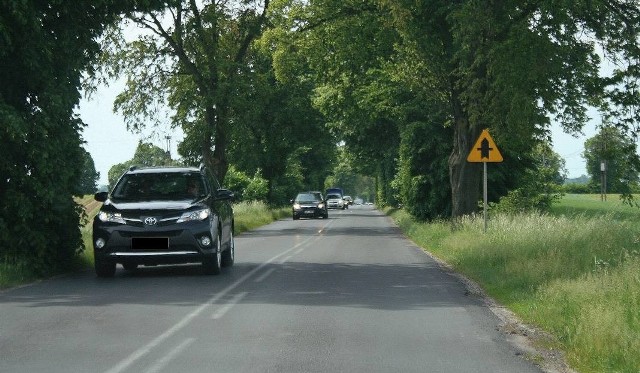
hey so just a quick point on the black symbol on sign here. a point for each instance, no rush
(484, 148)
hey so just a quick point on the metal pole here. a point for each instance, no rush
(485, 196)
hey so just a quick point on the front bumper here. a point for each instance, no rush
(309, 212)
(175, 244)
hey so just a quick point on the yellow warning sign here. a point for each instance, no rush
(485, 150)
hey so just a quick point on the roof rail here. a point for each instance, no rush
(133, 168)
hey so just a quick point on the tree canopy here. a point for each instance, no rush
(44, 49)
(508, 66)
(619, 155)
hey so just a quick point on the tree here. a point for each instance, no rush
(275, 119)
(146, 155)
(508, 66)
(45, 46)
(541, 184)
(422, 178)
(88, 183)
(620, 156)
(189, 57)
(331, 44)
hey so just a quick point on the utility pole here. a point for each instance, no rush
(168, 138)
(603, 165)
(603, 180)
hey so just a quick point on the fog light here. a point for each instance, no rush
(205, 241)
(100, 243)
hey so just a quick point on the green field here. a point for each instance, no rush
(574, 273)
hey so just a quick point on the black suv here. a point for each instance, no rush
(165, 215)
(309, 205)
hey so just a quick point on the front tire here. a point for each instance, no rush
(229, 255)
(211, 264)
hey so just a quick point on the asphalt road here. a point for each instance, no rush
(347, 294)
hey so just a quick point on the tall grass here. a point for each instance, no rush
(577, 276)
(250, 215)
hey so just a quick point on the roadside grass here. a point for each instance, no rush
(574, 273)
(248, 215)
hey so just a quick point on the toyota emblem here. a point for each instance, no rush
(150, 221)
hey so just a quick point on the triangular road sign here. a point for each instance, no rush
(484, 150)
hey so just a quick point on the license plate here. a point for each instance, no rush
(308, 212)
(150, 243)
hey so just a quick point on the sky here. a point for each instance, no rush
(106, 136)
(109, 142)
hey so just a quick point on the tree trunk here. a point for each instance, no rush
(465, 177)
(214, 144)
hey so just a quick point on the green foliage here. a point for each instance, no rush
(576, 188)
(188, 63)
(274, 120)
(292, 182)
(247, 188)
(146, 155)
(253, 214)
(541, 184)
(257, 189)
(44, 48)
(621, 158)
(422, 179)
(88, 183)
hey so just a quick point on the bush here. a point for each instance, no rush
(422, 180)
(257, 189)
(524, 200)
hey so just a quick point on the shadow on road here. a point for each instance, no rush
(397, 287)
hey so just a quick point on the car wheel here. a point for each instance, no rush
(326, 216)
(295, 217)
(211, 263)
(130, 266)
(228, 256)
(104, 268)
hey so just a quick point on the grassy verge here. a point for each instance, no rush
(248, 215)
(574, 273)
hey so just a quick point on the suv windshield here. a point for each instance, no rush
(333, 196)
(159, 186)
(307, 198)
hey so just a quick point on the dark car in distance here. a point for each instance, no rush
(309, 205)
(164, 215)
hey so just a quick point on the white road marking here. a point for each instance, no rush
(162, 363)
(142, 351)
(226, 307)
(265, 275)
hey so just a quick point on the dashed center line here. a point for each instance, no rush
(162, 363)
(226, 307)
(144, 350)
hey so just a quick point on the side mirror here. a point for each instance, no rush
(224, 194)
(101, 196)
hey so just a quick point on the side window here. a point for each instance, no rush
(213, 182)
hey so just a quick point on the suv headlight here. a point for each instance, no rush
(296, 206)
(194, 215)
(321, 205)
(111, 217)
